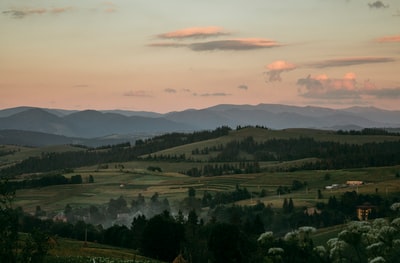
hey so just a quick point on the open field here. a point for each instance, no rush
(134, 179)
(72, 248)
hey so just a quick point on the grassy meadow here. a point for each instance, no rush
(79, 251)
(134, 179)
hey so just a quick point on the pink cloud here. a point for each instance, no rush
(281, 65)
(350, 61)
(194, 32)
(109, 7)
(324, 87)
(58, 10)
(137, 93)
(276, 68)
(387, 39)
(346, 88)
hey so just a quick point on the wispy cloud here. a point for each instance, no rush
(137, 93)
(387, 39)
(377, 5)
(109, 7)
(169, 90)
(23, 12)
(168, 44)
(216, 94)
(243, 87)
(195, 32)
(224, 45)
(212, 31)
(387, 93)
(234, 44)
(276, 68)
(343, 62)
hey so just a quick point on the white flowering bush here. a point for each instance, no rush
(266, 236)
(337, 248)
(80, 259)
(377, 260)
(275, 251)
(395, 206)
(292, 236)
(396, 223)
(320, 251)
(307, 229)
(376, 241)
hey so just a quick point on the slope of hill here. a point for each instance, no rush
(40, 139)
(204, 150)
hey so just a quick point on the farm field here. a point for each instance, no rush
(129, 182)
(80, 251)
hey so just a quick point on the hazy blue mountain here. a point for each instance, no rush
(135, 113)
(278, 116)
(376, 114)
(134, 124)
(88, 123)
(12, 111)
(35, 119)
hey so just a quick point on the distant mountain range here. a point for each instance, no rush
(120, 125)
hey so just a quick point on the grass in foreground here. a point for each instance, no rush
(72, 251)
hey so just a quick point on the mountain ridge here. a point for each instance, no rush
(101, 123)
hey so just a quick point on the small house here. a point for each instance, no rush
(364, 211)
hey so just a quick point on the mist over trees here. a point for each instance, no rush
(210, 226)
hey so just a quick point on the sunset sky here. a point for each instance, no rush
(172, 55)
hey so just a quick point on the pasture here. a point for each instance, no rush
(134, 179)
(67, 250)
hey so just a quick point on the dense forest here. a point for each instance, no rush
(258, 233)
(115, 153)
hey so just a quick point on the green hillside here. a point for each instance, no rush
(262, 135)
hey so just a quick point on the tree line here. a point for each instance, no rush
(94, 156)
(369, 131)
(48, 180)
(331, 155)
(224, 169)
(231, 233)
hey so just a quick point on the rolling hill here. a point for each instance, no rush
(127, 124)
